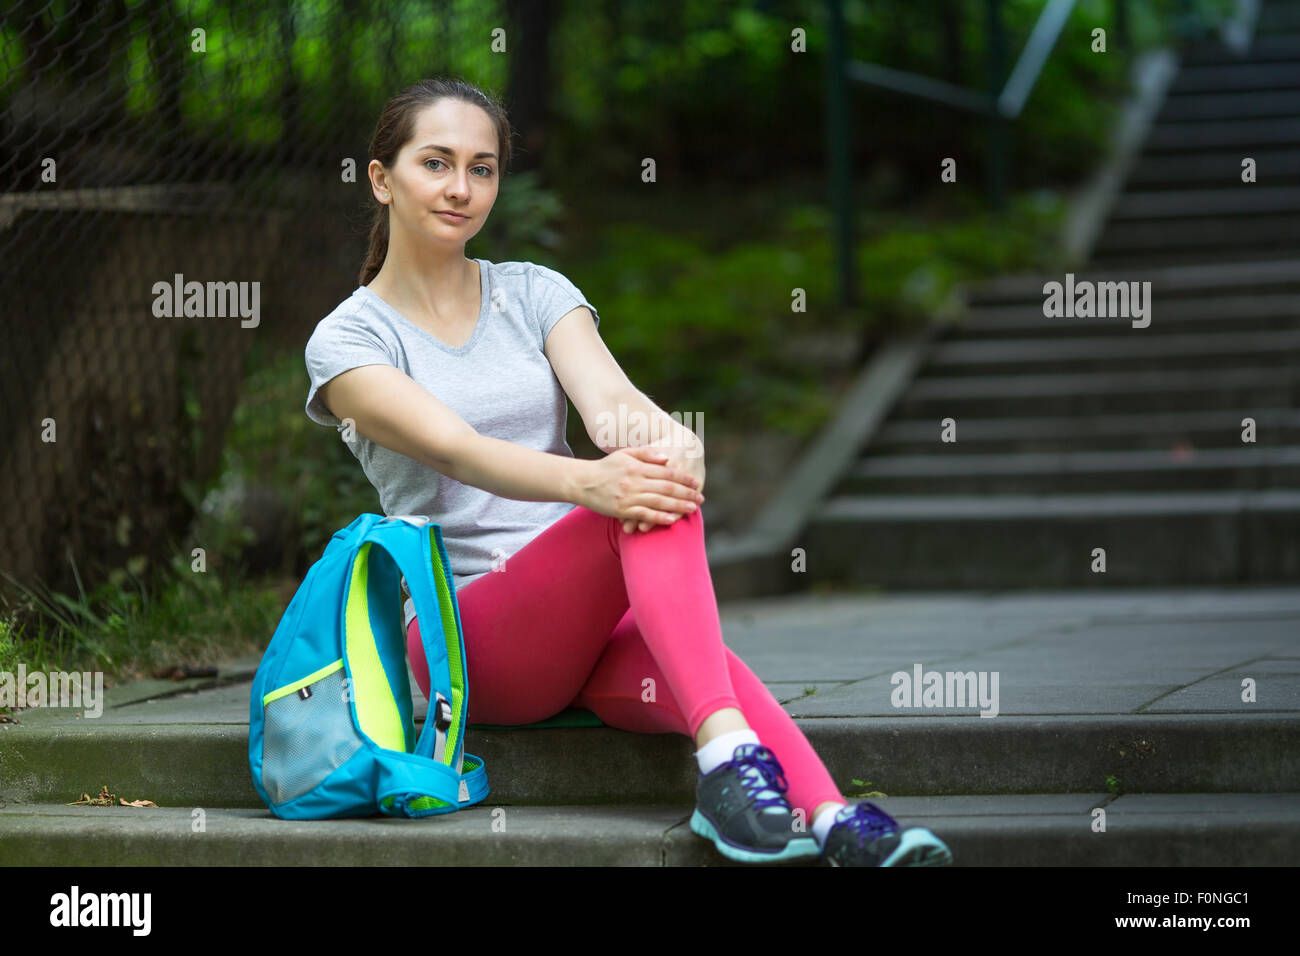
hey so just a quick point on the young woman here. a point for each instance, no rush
(453, 372)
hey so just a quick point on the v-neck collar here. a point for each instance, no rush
(478, 327)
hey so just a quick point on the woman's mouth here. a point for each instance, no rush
(452, 217)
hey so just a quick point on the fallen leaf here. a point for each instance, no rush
(105, 799)
(138, 803)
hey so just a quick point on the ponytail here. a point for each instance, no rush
(378, 249)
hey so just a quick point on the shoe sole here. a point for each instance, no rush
(916, 847)
(797, 848)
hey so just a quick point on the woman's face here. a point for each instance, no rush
(448, 165)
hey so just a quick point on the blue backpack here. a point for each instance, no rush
(330, 723)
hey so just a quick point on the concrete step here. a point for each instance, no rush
(1216, 134)
(1264, 49)
(207, 765)
(1157, 347)
(1258, 312)
(1276, 17)
(1212, 238)
(1173, 281)
(1207, 107)
(1203, 430)
(1243, 253)
(956, 470)
(1237, 77)
(1088, 393)
(1002, 541)
(1276, 167)
(1189, 829)
(1235, 200)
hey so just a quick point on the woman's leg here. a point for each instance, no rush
(618, 693)
(535, 629)
(559, 626)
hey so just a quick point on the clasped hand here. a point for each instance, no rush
(676, 457)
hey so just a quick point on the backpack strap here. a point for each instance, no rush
(422, 560)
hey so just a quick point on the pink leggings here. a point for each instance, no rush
(584, 613)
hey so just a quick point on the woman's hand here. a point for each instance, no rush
(639, 485)
(681, 457)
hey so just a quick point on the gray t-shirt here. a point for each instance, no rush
(499, 381)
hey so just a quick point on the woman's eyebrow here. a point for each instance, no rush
(444, 149)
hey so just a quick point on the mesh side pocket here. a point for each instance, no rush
(308, 735)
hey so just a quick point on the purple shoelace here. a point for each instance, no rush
(762, 775)
(867, 820)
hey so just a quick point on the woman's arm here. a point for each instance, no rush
(391, 409)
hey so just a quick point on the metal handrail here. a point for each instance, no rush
(1000, 103)
(1039, 46)
(916, 84)
(1008, 103)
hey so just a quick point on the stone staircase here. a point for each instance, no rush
(1186, 201)
(1086, 433)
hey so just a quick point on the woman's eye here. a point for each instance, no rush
(487, 169)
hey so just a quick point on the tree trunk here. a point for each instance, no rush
(528, 84)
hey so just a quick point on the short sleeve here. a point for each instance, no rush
(554, 297)
(336, 346)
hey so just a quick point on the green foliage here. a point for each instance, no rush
(133, 624)
(910, 268)
(710, 330)
(670, 69)
(523, 220)
(866, 792)
(1171, 22)
(272, 442)
(13, 56)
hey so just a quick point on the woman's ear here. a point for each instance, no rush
(379, 181)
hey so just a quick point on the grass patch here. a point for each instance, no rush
(134, 628)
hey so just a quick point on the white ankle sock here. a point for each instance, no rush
(822, 824)
(720, 749)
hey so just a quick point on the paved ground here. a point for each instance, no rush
(1128, 701)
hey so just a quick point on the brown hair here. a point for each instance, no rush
(395, 128)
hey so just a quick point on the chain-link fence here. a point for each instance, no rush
(181, 181)
(182, 184)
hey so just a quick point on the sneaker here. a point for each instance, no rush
(865, 835)
(740, 807)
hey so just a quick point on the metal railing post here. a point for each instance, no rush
(839, 152)
(997, 159)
